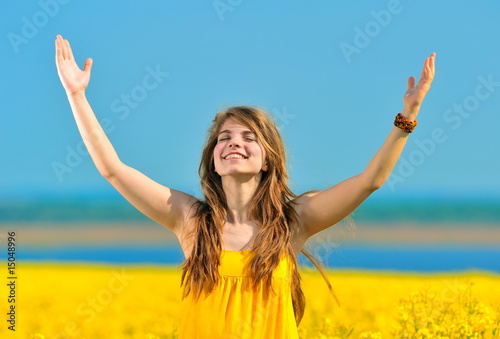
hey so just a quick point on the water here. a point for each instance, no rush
(448, 210)
(415, 258)
(412, 258)
(69, 213)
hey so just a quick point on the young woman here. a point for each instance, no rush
(241, 242)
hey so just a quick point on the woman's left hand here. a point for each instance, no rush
(415, 95)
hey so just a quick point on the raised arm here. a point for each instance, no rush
(164, 205)
(323, 209)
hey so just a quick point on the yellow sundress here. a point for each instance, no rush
(235, 311)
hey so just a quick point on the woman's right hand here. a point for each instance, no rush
(73, 79)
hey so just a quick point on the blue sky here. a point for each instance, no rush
(332, 72)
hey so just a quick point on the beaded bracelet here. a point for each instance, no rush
(405, 124)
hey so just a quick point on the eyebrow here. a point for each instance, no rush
(229, 132)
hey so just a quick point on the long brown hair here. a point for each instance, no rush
(271, 208)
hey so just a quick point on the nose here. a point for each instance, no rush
(233, 143)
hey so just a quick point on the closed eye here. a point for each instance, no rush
(247, 138)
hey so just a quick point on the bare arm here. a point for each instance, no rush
(166, 206)
(324, 209)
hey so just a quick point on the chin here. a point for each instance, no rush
(237, 173)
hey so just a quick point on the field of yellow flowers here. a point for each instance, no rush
(78, 301)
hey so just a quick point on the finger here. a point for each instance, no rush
(58, 51)
(58, 47)
(61, 46)
(433, 63)
(425, 69)
(64, 49)
(68, 50)
(88, 65)
(411, 83)
(429, 69)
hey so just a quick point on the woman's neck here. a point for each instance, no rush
(239, 193)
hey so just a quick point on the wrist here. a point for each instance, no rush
(405, 124)
(76, 95)
(410, 113)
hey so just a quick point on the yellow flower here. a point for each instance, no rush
(374, 305)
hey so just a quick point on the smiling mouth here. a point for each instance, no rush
(235, 157)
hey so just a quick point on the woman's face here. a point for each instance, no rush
(238, 152)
